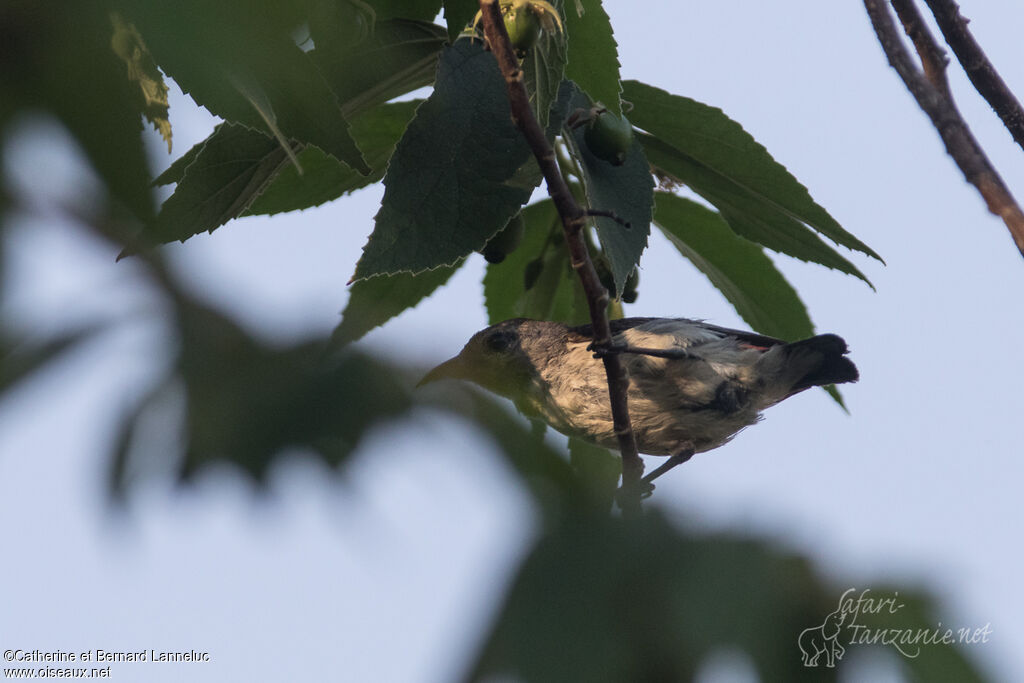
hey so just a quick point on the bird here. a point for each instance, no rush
(692, 385)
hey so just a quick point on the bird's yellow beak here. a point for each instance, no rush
(453, 368)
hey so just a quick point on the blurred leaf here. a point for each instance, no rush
(602, 599)
(458, 13)
(62, 62)
(399, 57)
(152, 101)
(231, 169)
(736, 267)
(374, 301)
(543, 470)
(323, 178)
(246, 402)
(593, 62)
(449, 184)
(22, 358)
(249, 72)
(643, 602)
(543, 67)
(626, 190)
(716, 157)
(598, 469)
(536, 280)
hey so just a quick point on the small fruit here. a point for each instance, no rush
(505, 241)
(609, 137)
(523, 26)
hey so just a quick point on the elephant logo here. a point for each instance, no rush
(823, 640)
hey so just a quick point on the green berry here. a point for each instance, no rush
(523, 27)
(505, 241)
(609, 137)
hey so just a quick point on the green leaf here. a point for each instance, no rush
(231, 169)
(734, 265)
(400, 56)
(374, 301)
(598, 469)
(176, 171)
(747, 214)
(542, 262)
(152, 99)
(24, 358)
(420, 10)
(646, 602)
(62, 62)
(247, 402)
(324, 178)
(543, 67)
(745, 170)
(593, 62)
(448, 186)
(458, 13)
(249, 72)
(627, 190)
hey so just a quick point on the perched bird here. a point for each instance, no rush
(693, 386)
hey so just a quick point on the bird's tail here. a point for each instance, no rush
(812, 362)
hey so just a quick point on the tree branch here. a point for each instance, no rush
(573, 220)
(983, 75)
(934, 98)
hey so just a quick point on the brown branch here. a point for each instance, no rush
(573, 219)
(983, 75)
(940, 108)
(933, 57)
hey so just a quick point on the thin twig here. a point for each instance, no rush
(983, 75)
(933, 57)
(960, 143)
(573, 219)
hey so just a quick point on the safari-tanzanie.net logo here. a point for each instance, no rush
(823, 645)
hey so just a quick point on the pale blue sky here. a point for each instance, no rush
(413, 543)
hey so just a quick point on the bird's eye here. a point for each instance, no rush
(500, 340)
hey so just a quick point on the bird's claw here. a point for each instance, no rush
(603, 350)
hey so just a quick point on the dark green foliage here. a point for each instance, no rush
(451, 183)
(625, 189)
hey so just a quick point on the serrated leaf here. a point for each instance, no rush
(745, 169)
(231, 169)
(209, 52)
(747, 214)
(152, 99)
(400, 56)
(374, 301)
(458, 13)
(324, 178)
(737, 267)
(593, 59)
(627, 190)
(251, 90)
(447, 186)
(543, 69)
(535, 280)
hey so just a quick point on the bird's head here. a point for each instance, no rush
(502, 358)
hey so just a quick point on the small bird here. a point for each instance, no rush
(692, 386)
